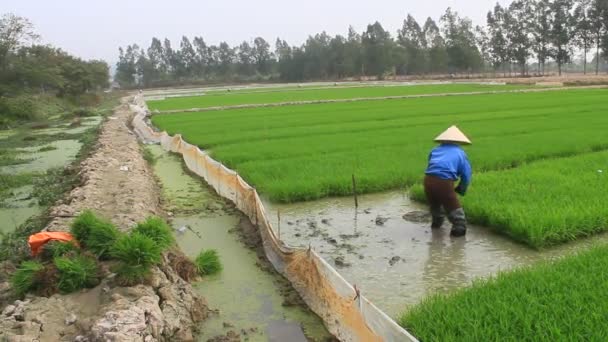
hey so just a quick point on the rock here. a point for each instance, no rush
(70, 319)
(380, 221)
(81, 338)
(368, 211)
(394, 260)
(325, 221)
(312, 224)
(332, 241)
(9, 310)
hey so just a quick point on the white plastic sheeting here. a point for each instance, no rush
(347, 314)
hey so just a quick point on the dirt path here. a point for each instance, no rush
(118, 185)
(293, 103)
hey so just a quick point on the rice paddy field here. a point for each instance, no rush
(539, 159)
(261, 96)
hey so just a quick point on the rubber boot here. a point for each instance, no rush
(459, 222)
(438, 218)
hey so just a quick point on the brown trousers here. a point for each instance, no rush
(440, 193)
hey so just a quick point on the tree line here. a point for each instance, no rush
(29, 69)
(542, 31)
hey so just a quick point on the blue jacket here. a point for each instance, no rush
(449, 161)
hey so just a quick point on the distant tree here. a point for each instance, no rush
(411, 37)
(261, 54)
(377, 45)
(15, 32)
(155, 61)
(202, 56)
(562, 31)
(518, 22)
(583, 35)
(541, 30)
(599, 27)
(483, 44)
(599, 24)
(463, 54)
(245, 58)
(498, 43)
(226, 57)
(187, 55)
(353, 59)
(126, 68)
(438, 56)
(337, 57)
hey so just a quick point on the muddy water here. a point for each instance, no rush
(397, 262)
(251, 301)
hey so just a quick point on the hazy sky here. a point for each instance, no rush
(95, 29)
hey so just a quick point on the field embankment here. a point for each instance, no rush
(286, 95)
(117, 183)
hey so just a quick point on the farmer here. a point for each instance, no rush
(447, 163)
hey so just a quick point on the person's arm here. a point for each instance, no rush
(465, 174)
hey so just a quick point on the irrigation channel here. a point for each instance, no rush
(387, 249)
(253, 300)
(36, 152)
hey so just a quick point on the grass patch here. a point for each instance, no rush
(288, 95)
(24, 278)
(559, 301)
(76, 273)
(156, 229)
(208, 262)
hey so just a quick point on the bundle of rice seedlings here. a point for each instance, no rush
(24, 278)
(95, 234)
(156, 229)
(137, 253)
(208, 262)
(76, 273)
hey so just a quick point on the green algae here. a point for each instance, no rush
(251, 301)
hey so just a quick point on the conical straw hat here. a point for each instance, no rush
(453, 134)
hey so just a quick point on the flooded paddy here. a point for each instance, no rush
(397, 261)
(33, 152)
(253, 301)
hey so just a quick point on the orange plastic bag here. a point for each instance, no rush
(38, 240)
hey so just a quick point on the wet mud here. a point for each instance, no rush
(250, 300)
(388, 250)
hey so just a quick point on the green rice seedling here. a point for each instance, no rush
(55, 249)
(541, 203)
(101, 239)
(76, 272)
(287, 95)
(24, 278)
(82, 225)
(305, 152)
(136, 249)
(208, 262)
(95, 234)
(562, 300)
(158, 230)
(131, 275)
